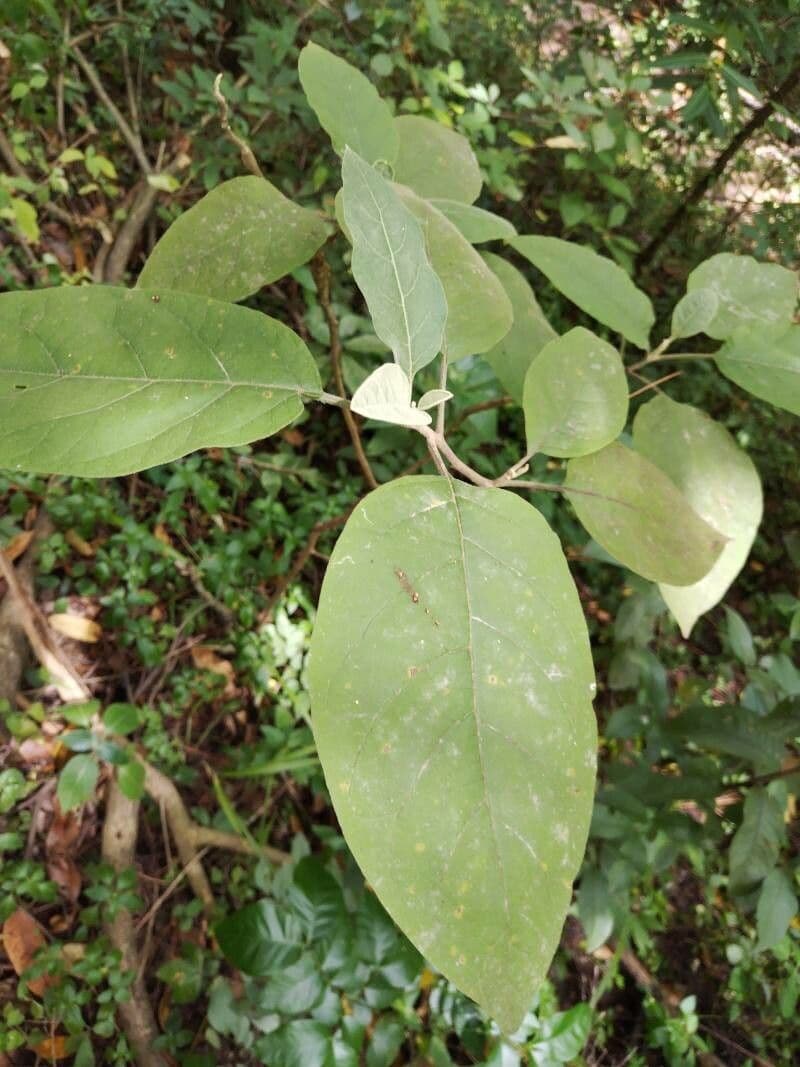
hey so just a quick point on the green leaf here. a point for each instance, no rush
(451, 684)
(749, 293)
(24, 215)
(240, 237)
(529, 333)
(739, 638)
(694, 312)
(756, 844)
(777, 906)
(347, 105)
(257, 940)
(436, 162)
(317, 899)
(121, 718)
(130, 777)
(594, 908)
(99, 381)
(765, 360)
(77, 781)
(384, 1045)
(300, 1043)
(479, 313)
(719, 481)
(390, 265)
(473, 223)
(80, 714)
(433, 398)
(640, 517)
(386, 395)
(575, 396)
(596, 284)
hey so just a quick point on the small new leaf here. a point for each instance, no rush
(433, 398)
(386, 395)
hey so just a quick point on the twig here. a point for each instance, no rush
(658, 358)
(300, 560)
(120, 830)
(245, 151)
(69, 685)
(442, 385)
(715, 171)
(473, 409)
(134, 141)
(13, 644)
(322, 278)
(654, 385)
(190, 837)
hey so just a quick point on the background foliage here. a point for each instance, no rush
(594, 122)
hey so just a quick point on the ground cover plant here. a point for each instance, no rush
(449, 681)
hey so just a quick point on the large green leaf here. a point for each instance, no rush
(451, 684)
(99, 381)
(719, 481)
(749, 293)
(596, 284)
(777, 906)
(436, 161)
(242, 235)
(477, 225)
(529, 333)
(637, 514)
(347, 105)
(575, 395)
(765, 360)
(390, 264)
(479, 313)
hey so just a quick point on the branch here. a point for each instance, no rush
(134, 141)
(245, 151)
(120, 829)
(701, 186)
(322, 278)
(300, 560)
(473, 409)
(190, 837)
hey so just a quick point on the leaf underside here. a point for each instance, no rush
(451, 683)
(719, 481)
(390, 265)
(101, 381)
(637, 514)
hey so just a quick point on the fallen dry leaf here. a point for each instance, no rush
(76, 627)
(74, 540)
(22, 939)
(160, 533)
(17, 545)
(207, 660)
(52, 1048)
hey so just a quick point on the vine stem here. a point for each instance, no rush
(322, 278)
